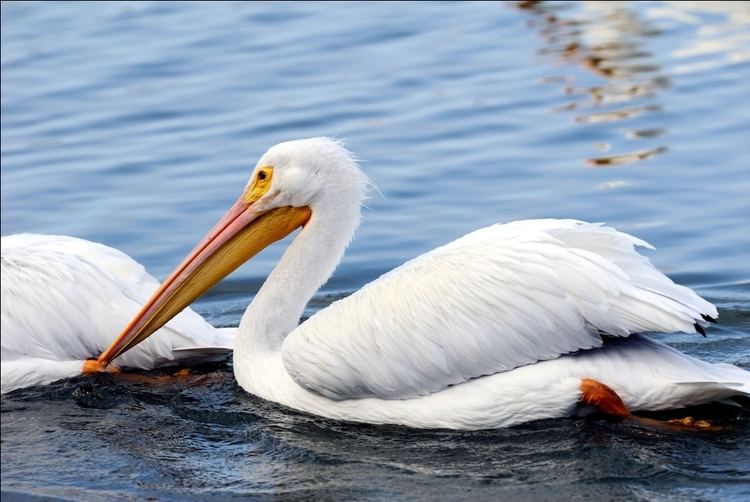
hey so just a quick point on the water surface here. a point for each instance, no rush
(137, 124)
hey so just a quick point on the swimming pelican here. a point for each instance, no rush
(510, 323)
(64, 298)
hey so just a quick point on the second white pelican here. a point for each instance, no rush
(63, 299)
(511, 323)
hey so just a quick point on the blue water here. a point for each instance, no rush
(137, 124)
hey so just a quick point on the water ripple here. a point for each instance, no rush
(136, 124)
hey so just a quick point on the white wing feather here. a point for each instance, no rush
(65, 299)
(496, 299)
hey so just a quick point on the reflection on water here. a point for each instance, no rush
(723, 41)
(610, 40)
(626, 158)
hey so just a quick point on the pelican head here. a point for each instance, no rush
(292, 184)
(307, 172)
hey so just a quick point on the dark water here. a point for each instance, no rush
(136, 124)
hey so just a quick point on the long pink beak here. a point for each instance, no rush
(238, 236)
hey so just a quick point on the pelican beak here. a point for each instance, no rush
(238, 236)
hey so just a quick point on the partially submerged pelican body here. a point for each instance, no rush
(511, 323)
(63, 298)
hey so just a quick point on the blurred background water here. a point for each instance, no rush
(136, 124)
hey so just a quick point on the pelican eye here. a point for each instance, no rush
(261, 184)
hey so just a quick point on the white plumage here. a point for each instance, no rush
(498, 298)
(646, 374)
(494, 329)
(500, 327)
(64, 299)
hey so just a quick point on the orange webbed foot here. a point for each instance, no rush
(603, 398)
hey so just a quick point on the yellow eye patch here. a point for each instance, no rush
(261, 184)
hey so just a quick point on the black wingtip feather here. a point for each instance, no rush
(700, 329)
(708, 318)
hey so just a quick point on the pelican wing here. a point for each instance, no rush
(496, 299)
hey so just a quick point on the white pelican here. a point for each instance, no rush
(508, 324)
(64, 298)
